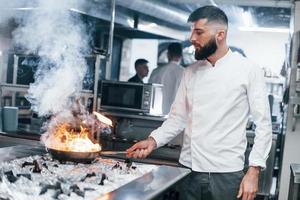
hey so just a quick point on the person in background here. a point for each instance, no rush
(169, 76)
(141, 69)
(213, 102)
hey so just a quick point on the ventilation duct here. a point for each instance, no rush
(157, 10)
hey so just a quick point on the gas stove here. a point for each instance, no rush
(41, 177)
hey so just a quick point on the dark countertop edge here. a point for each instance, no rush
(28, 136)
(149, 160)
(134, 115)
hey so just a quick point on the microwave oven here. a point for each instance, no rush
(131, 97)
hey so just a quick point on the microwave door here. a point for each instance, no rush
(122, 96)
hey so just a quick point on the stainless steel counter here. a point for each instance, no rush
(20, 151)
(148, 186)
(21, 135)
(7, 140)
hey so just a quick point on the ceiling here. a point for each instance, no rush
(165, 17)
(265, 13)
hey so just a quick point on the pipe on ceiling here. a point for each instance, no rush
(157, 10)
(258, 3)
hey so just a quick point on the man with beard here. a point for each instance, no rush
(212, 105)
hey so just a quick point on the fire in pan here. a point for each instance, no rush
(67, 143)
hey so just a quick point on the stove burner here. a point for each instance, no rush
(37, 167)
(28, 176)
(56, 187)
(103, 177)
(128, 162)
(77, 190)
(10, 176)
(45, 165)
(88, 175)
(116, 166)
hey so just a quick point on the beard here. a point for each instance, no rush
(207, 50)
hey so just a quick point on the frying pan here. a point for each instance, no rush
(79, 157)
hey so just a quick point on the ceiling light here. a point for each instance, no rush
(263, 29)
(130, 22)
(148, 26)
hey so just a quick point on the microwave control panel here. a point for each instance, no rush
(147, 92)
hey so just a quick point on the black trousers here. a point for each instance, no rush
(210, 186)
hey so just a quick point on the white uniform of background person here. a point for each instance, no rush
(169, 76)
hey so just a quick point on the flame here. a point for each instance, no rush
(65, 137)
(68, 139)
(102, 118)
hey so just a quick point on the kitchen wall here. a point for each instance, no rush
(267, 49)
(134, 49)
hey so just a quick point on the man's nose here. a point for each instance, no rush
(192, 37)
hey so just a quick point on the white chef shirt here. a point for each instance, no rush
(169, 76)
(154, 77)
(212, 106)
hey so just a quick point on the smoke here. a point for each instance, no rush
(6, 13)
(61, 40)
(4, 18)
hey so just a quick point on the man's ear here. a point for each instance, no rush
(221, 34)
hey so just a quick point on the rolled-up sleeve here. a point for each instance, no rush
(260, 111)
(176, 121)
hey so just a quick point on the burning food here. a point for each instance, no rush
(65, 138)
(74, 140)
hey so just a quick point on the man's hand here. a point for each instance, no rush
(141, 149)
(249, 184)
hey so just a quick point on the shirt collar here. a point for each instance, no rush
(175, 62)
(224, 58)
(221, 60)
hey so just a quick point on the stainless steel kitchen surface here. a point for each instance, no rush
(150, 185)
(7, 140)
(115, 26)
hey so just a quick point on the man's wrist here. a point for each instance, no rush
(150, 138)
(255, 168)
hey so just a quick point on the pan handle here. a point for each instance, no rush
(112, 152)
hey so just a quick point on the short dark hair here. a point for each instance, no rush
(175, 49)
(140, 61)
(211, 13)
